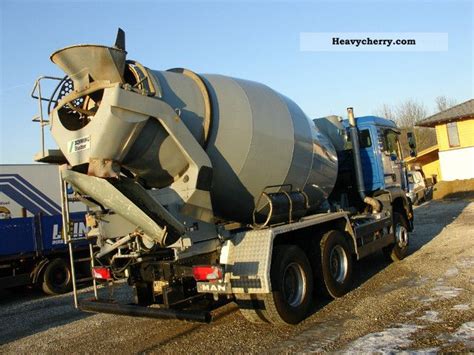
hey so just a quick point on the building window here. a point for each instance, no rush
(453, 136)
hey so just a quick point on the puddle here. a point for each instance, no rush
(387, 341)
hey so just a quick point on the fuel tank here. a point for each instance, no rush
(254, 136)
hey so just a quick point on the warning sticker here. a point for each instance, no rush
(79, 144)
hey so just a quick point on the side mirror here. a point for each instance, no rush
(411, 143)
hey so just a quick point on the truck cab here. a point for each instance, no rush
(381, 153)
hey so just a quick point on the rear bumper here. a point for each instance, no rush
(142, 311)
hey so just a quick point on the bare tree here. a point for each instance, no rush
(443, 103)
(409, 112)
(406, 115)
(386, 111)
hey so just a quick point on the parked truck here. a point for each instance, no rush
(32, 251)
(203, 186)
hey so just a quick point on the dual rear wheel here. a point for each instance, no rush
(293, 281)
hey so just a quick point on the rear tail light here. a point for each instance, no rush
(101, 273)
(207, 273)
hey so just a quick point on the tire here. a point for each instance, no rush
(419, 200)
(422, 199)
(57, 277)
(292, 286)
(336, 265)
(399, 250)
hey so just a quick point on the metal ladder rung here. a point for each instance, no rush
(75, 240)
(38, 119)
(82, 259)
(69, 241)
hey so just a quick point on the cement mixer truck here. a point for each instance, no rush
(204, 189)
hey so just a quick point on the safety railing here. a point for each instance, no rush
(36, 93)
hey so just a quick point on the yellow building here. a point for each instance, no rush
(455, 135)
(428, 161)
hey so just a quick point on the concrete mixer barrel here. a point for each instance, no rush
(253, 136)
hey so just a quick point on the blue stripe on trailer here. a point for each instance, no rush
(34, 201)
(35, 190)
(24, 201)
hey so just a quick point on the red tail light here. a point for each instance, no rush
(101, 273)
(207, 273)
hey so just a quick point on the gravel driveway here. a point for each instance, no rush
(424, 302)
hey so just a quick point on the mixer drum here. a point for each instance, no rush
(254, 136)
(257, 138)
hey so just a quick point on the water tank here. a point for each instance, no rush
(254, 136)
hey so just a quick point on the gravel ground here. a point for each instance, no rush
(423, 303)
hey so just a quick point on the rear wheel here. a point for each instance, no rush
(335, 270)
(292, 286)
(57, 277)
(399, 250)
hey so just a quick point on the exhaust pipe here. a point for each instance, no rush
(354, 132)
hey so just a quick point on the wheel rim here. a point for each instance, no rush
(60, 277)
(294, 284)
(338, 264)
(401, 234)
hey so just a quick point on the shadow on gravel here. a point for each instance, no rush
(24, 312)
(426, 229)
(19, 294)
(33, 312)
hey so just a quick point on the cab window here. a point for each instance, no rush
(364, 139)
(390, 143)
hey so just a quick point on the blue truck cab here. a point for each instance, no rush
(381, 159)
(381, 153)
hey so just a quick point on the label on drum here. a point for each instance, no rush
(79, 144)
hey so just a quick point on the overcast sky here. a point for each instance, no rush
(256, 41)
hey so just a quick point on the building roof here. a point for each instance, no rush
(461, 111)
(422, 153)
